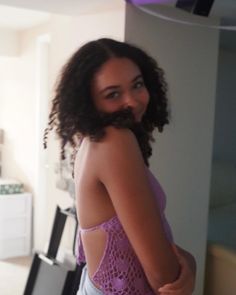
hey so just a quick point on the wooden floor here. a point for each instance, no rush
(13, 275)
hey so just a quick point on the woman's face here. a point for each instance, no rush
(118, 85)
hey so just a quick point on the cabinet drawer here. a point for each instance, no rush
(13, 205)
(13, 227)
(14, 247)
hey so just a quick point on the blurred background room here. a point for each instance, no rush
(194, 42)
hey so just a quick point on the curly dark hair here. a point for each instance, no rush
(73, 113)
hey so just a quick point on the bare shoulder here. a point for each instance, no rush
(117, 140)
(117, 134)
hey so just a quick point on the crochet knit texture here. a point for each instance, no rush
(119, 271)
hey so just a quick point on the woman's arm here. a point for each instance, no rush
(120, 167)
(185, 284)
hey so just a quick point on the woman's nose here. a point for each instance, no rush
(130, 100)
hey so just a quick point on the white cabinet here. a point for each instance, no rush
(15, 225)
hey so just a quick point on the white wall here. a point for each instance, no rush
(19, 116)
(9, 42)
(18, 107)
(67, 35)
(182, 154)
(17, 112)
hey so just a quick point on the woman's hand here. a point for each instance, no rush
(185, 283)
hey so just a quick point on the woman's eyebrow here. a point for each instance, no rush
(114, 87)
(137, 77)
(111, 87)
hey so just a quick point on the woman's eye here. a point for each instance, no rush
(138, 84)
(113, 94)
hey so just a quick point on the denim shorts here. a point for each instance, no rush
(86, 286)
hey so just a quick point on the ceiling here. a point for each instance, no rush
(226, 10)
(36, 11)
(22, 14)
(20, 19)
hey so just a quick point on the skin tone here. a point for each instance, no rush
(186, 281)
(119, 85)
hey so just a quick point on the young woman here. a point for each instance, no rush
(110, 97)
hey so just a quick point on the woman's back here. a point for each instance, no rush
(95, 206)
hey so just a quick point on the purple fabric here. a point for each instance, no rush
(120, 271)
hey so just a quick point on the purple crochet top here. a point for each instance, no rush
(119, 271)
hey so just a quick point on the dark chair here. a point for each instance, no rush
(48, 276)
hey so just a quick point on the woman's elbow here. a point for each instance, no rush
(166, 274)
